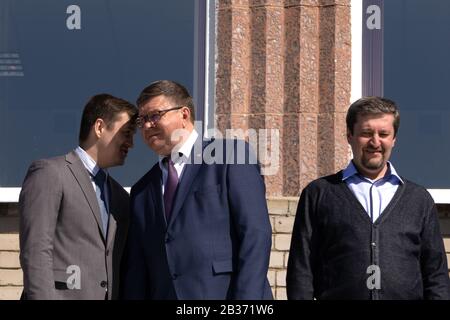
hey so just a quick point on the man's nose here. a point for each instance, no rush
(375, 140)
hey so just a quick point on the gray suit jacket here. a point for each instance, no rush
(60, 232)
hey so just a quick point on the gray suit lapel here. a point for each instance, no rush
(82, 176)
(113, 214)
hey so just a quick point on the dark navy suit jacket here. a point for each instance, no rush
(216, 244)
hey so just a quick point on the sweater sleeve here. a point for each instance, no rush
(299, 278)
(433, 258)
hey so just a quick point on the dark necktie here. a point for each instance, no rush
(171, 187)
(99, 180)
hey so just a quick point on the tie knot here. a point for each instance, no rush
(100, 178)
(168, 161)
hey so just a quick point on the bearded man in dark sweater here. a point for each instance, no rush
(365, 232)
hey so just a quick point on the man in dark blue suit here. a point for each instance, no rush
(199, 227)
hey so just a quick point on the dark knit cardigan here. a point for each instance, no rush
(334, 242)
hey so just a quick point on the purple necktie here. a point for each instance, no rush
(171, 187)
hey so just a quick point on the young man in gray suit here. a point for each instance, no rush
(73, 215)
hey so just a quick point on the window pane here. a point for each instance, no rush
(48, 72)
(417, 76)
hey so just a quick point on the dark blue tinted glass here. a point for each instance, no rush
(48, 71)
(417, 76)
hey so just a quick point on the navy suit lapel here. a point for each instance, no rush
(154, 193)
(191, 170)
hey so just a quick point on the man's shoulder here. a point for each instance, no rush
(45, 171)
(48, 163)
(326, 181)
(153, 173)
(227, 143)
(321, 186)
(416, 190)
(228, 151)
(412, 185)
(118, 187)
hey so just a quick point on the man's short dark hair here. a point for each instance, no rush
(372, 106)
(172, 90)
(106, 107)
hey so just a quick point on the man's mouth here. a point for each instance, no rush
(373, 151)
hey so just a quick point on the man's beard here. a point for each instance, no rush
(370, 164)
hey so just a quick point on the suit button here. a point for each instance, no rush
(174, 276)
(103, 284)
(168, 239)
(107, 253)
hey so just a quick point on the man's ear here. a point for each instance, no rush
(186, 114)
(349, 136)
(99, 126)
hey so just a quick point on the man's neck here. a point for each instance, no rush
(91, 151)
(372, 175)
(186, 144)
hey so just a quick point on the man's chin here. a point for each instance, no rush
(119, 162)
(159, 150)
(154, 147)
(374, 165)
(374, 170)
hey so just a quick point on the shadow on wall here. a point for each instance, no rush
(444, 219)
(9, 218)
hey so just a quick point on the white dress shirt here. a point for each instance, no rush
(179, 164)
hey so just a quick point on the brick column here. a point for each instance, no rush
(285, 65)
(334, 85)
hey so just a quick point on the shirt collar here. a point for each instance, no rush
(89, 163)
(352, 171)
(185, 150)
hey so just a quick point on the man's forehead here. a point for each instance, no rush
(156, 103)
(122, 118)
(388, 117)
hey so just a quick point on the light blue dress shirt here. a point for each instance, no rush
(92, 167)
(374, 195)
